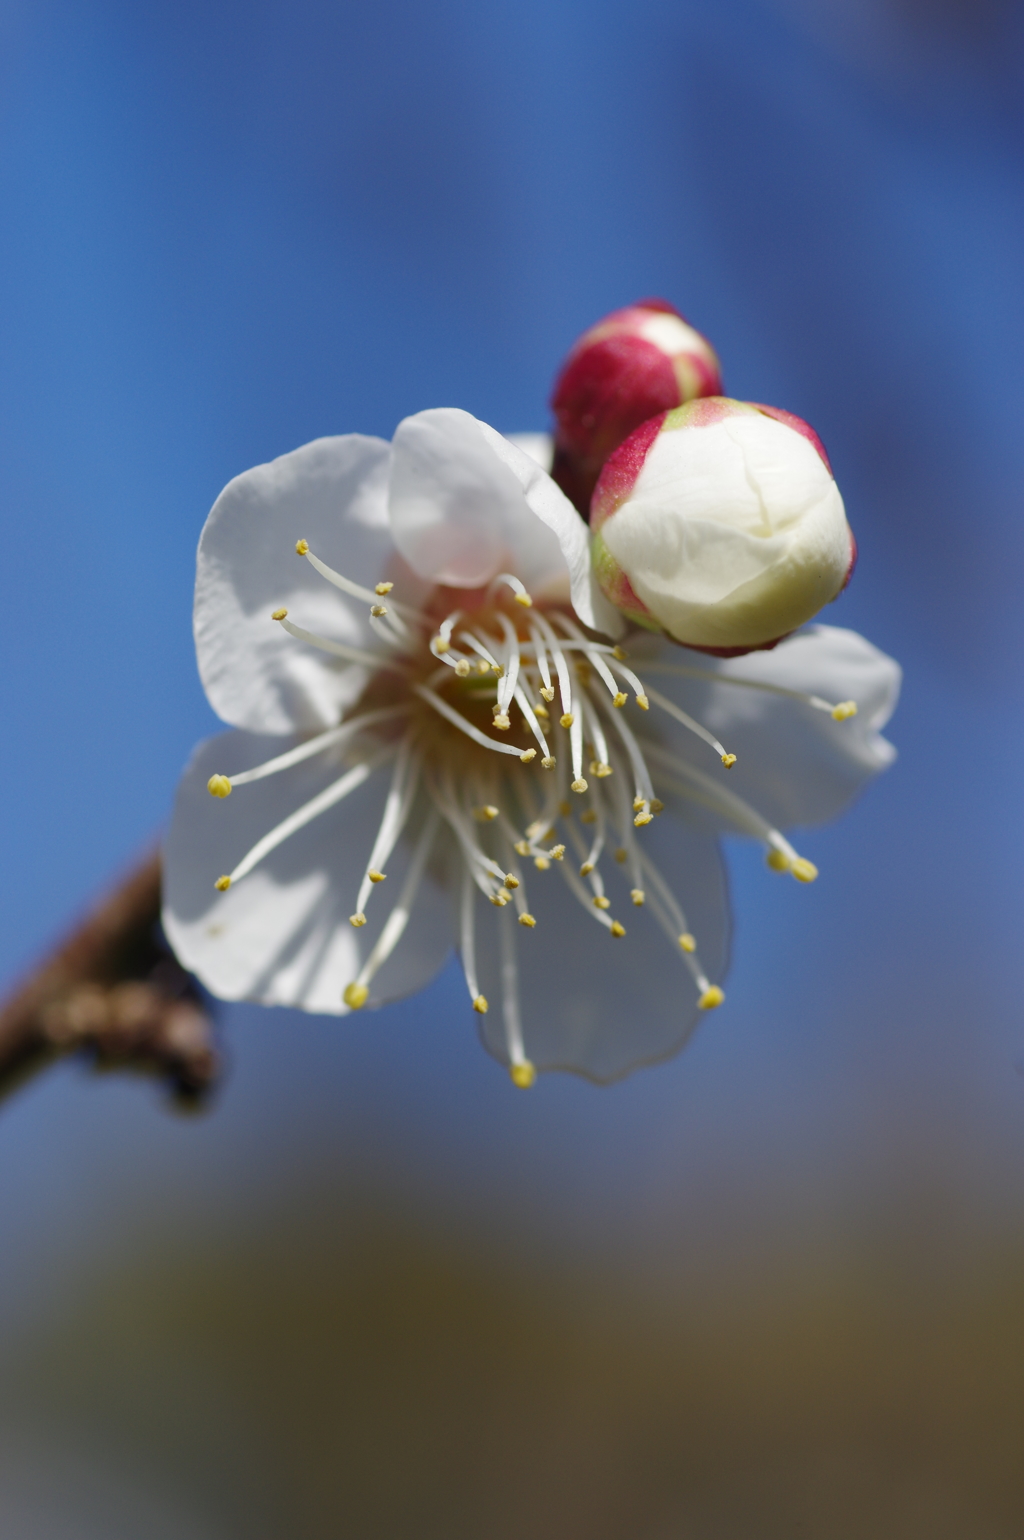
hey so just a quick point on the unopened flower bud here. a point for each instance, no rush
(630, 366)
(720, 524)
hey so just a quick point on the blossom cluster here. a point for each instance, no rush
(463, 715)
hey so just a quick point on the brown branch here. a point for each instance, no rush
(112, 988)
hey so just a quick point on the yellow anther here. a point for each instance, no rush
(383, 588)
(638, 803)
(621, 856)
(804, 871)
(620, 653)
(497, 670)
(728, 760)
(301, 547)
(579, 786)
(556, 852)
(620, 699)
(586, 868)
(219, 786)
(602, 771)
(377, 610)
(525, 600)
(541, 863)
(522, 847)
(527, 756)
(777, 860)
(527, 920)
(462, 668)
(502, 722)
(480, 1004)
(499, 900)
(376, 876)
(485, 814)
(482, 666)
(616, 929)
(657, 806)
(511, 881)
(355, 996)
(588, 816)
(844, 710)
(279, 615)
(357, 920)
(548, 762)
(643, 703)
(711, 997)
(687, 942)
(441, 646)
(642, 820)
(548, 692)
(567, 719)
(637, 895)
(222, 884)
(565, 808)
(600, 902)
(523, 1075)
(541, 710)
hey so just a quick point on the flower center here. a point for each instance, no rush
(510, 727)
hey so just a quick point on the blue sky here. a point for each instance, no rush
(229, 229)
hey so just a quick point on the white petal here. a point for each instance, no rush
(281, 935)
(550, 504)
(332, 493)
(599, 1005)
(539, 446)
(794, 764)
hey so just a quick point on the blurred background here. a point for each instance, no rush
(774, 1288)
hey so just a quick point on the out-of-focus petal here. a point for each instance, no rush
(539, 446)
(598, 1005)
(332, 493)
(794, 763)
(281, 935)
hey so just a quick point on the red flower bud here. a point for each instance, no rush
(632, 365)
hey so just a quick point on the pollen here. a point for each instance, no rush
(615, 929)
(541, 710)
(527, 920)
(355, 995)
(637, 895)
(480, 1005)
(301, 547)
(279, 615)
(588, 816)
(376, 876)
(462, 668)
(511, 881)
(441, 645)
(485, 814)
(522, 847)
(643, 703)
(777, 860)
(844, 710)
(528, 756)
(579, 786)
(728, 760)
(565, 808)
(482, 666)
(542, 863)
(711, 997)
(620, 698)
(523, 1075)
(219, 786)
(803, 870)
(687, 942)
(524, 599)
(620, 654)
(222, 884)
(356, 920)
(502, 722)
(586, 868)
(377, 610)
(499, 899)
(382, 588)
(656, 805)
(548, 762)
(567, 719)
(548, 692)
(600, 902)
(556, 852)
(602, 771)
(642, 820)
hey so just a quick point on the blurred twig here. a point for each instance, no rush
(114, 990)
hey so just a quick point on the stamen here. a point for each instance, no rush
(398, 919)
(486, 656)
(521, 596)
(468, 942)
(510, 677)
(451, 715)
(443, 640)
(397, 807)
(304, 815)
(561, 666)
(669, 706)
(522, 1071)
(840, 712)
(541, 657)
(641, 774)
(339, 649)
(354, 590)
(329, 739)
(533, 724)
(383, 588)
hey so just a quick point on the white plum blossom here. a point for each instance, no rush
(443, 733)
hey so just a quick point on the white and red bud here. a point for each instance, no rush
(720, 524)
(635, 363)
